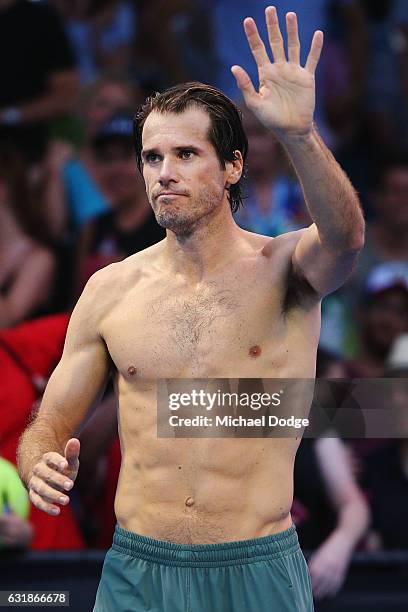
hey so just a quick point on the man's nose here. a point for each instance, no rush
(168, 172)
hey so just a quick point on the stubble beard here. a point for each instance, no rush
(183, 221)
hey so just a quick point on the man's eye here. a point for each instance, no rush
(152, 157)
(186, 154)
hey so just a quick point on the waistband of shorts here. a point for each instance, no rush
(206, 555)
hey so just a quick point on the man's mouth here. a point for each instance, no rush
(168, 194)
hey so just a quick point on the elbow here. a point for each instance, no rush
(357, 242)
(356, 238)
(365, 513)
(359, 237)
(359, 508)
(359, 233)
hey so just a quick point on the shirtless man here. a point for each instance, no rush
(204, 524)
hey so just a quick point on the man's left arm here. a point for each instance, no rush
(284, 103)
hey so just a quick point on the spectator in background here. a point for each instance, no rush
(15, 530)
(387, 235)
(98, 477)
(37, 74)
(365, 84)
(274, 202)
(28, 354)
(386, 241)
(131, 225)
(27, 265)
(101, 32)
(382, 317)
(386, 474)
(329, 510)
(73, 194)
(385, 33)
(343, 71)
(181, 49)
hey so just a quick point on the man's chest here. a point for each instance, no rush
(174, 332)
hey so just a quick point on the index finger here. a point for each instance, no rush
(55, 461)
(255, 42)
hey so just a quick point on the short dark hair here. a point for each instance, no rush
(226, 133)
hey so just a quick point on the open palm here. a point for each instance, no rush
(286, 98)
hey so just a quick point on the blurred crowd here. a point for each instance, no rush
(71, 201)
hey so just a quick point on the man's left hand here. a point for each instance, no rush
(286, 98)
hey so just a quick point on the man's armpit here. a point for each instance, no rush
(299, 292)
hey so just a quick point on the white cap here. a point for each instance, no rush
(398, 357)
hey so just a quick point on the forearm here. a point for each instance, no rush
(330, 197)
(47, 107)
(38, 438)
(353, 521)
(58, 99)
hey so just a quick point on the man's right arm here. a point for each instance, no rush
(45, 460)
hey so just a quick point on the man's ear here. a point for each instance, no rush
(234, 168)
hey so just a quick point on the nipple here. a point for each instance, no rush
(255, 350)
(132, 370)
(189, 501)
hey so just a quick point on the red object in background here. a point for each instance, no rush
(27, 352)
(102, 508)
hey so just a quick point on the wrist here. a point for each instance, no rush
(288, 139)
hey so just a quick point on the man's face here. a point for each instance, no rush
(386, 317)
(106, 100)
(183, 175)
(392, 204)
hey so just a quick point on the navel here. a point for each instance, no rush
(255, 350)
(189, 501)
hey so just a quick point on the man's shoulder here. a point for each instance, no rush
(278, 249)
(119, 274)
(285, 242)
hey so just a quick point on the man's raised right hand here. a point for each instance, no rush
(53, 476)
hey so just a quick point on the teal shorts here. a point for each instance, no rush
(260, 575)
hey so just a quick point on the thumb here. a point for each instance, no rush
(71, 453)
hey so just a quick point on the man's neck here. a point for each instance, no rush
(213, 242)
